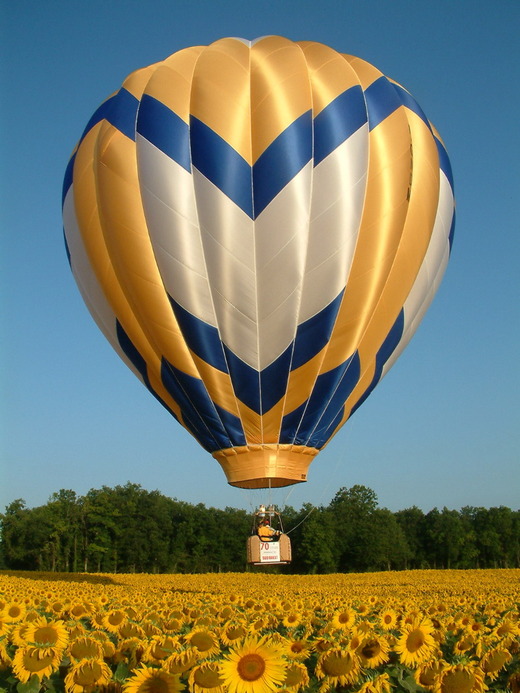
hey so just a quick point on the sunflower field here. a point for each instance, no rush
(441, 631)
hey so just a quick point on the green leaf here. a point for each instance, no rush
(121, 673)
(32, 686)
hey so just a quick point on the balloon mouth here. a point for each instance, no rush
(265, 466)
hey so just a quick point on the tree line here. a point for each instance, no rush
(130, 529)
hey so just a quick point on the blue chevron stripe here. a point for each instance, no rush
(382, 100)
(444, 161)
(283, 159)
(310, 423)
(338, 121)
(67, 179)
(221, 164)
(131, 352)
(452, 231)
(410, 103)
(201, 338)
(199, 413)
(259, 391)
(385, 351)
(313, 334)
(120, 110)
(164, 129)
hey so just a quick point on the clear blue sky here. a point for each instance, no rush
(443, 427)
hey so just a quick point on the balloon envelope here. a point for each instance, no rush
(258, 228)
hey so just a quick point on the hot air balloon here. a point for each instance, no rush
(258, 228)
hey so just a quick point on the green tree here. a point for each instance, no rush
(317, 542)
(412, 523)
(353, 511)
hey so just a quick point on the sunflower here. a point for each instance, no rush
(506, 628)
(172, 625)
(114, 619)
(47, 634)
(151, 680)
(17, 634)
(338, 667)
(343, 619)
(296, 677)
(388, 619)
(226, 613)
(204, 641)
(181, 661)
(32, 661)
(426, 674)
(233, 632)
(87, 676)
(299, 649)
(416, 643)
(379, 684)
(150, 629)
(57, 607)
(161, 647)
(463, 644)
(5, 659)
(324, 642)
(373, 650)
(460, 678)
(206, 678)
(292, 619)
(495, 660)
(130, 630)
(13, 612)
(254, 666)
(85, 647)
(78, 610)
(259, 624)
(131, 650)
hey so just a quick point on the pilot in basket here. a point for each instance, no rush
(268, 543)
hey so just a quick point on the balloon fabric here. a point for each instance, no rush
(258, 228)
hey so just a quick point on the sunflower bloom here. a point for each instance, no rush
(5, 659)
(388, 619)
(338, 667)
(292, 619)
(181, 661)
(161, 647)
(416, 643)
(150, 680)
(87, 676)
(426, 674)
(507, 628)
(379, 684)
(296, 677)
(299, 649)
(254, 666)
(13, 612)
(495, 660)
(114, 619)
(204, 641)
(85, 648)
(373, 651)
(33, 661)
(460, 678)
(206, 678)
(47, 634)
(232, 633)
(343, 619)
